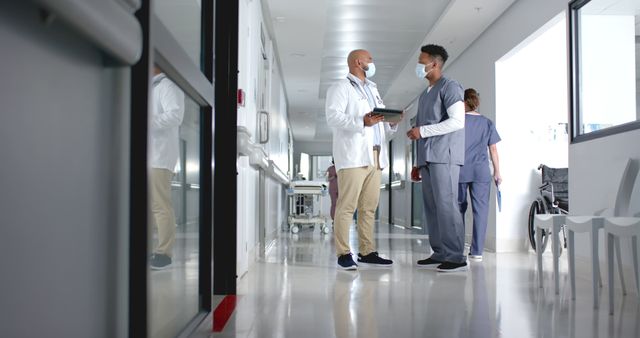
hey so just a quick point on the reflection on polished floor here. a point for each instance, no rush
(296, 291)
(173, 293)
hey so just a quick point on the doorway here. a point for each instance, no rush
(531, 118)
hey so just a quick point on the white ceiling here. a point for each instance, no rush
(313, 38)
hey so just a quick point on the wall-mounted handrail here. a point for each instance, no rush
(257, 156)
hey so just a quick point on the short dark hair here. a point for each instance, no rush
(436, 51)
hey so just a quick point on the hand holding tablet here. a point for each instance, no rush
(390, 115)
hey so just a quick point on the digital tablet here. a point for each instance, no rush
(390, 115)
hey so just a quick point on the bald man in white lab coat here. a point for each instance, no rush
(360, 153)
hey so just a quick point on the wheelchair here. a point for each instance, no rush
(553, 199)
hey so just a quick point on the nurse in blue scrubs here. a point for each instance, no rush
(475, 177)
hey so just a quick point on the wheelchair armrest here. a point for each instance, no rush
(553, 195)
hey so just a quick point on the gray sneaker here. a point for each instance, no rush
(160, 262)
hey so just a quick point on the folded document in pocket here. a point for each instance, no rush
(390, 115)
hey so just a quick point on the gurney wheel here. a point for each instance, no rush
(295, 229)
(326, 229)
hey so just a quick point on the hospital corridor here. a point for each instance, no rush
(329, 168)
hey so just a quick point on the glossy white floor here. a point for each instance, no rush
(296, 291)
(173, 293)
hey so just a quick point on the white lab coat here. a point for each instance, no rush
(352, 141)
(167, 112)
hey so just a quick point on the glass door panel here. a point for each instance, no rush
(174, 193)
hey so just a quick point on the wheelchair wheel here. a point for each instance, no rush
(535, 209)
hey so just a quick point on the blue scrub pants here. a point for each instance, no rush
(440, 197)
(479, 193)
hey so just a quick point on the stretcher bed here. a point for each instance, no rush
(305, 205)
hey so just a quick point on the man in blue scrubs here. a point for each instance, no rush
(440, 136)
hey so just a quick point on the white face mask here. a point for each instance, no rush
(370, 71)
(420, 72)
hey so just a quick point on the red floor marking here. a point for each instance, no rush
(222, 312)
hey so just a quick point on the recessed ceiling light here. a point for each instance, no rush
(299, 55)
(279, 19)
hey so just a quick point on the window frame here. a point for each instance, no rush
(575, 120)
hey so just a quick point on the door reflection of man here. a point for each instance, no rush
(166, 114)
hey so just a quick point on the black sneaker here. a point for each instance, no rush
(452, 267)
(345, 262)
(374, 259)
(160, 262)
(428, 263)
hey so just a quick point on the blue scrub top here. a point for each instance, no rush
(480, 133)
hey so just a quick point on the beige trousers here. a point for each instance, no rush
(162, 209)
(357, 188)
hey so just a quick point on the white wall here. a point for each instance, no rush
(64, 140)
(596, 168)
(250, 61)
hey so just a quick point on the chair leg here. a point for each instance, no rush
(595, 267)
(539, 254)
(620, 271)
(555, 238)
(609, 248)
(634, 247)
(572, 263)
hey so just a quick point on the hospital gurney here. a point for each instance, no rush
(305, 205)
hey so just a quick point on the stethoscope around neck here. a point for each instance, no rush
(363, 94)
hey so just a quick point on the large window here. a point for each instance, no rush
(604, 67)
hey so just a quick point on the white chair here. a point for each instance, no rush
(614, 229)
(593, 224)
(550, 223)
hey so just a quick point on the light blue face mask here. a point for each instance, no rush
(370, 71)
(420, 72)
